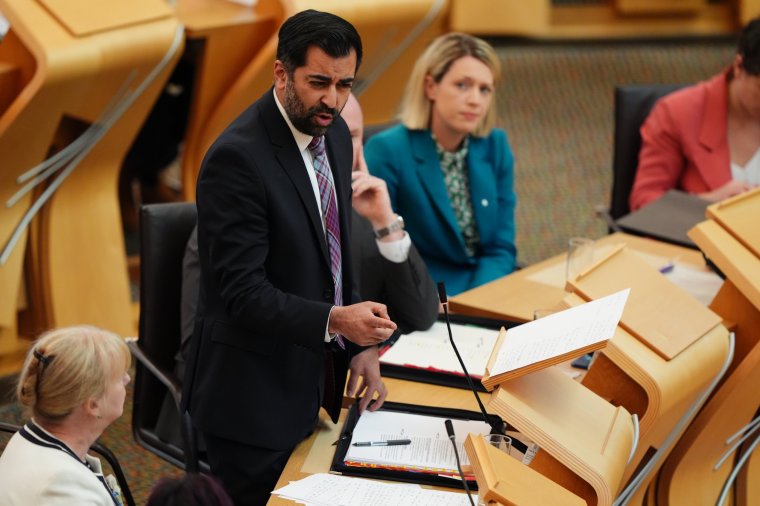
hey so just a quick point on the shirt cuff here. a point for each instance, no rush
(329, 337)
(395, 251)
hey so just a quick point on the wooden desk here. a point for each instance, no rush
(314, 454)
(541, 285)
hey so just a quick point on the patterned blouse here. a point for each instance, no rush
(454, 167)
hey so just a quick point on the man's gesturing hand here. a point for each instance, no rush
(365, 324)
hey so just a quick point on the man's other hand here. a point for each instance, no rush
(365, 323)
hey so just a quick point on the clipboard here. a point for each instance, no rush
(379, 473)
(444, 378)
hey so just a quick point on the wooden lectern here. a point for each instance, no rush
(663, 382)
(504, 480)
(665, 359)
(694, 473)
(78, 78)
(585, 441)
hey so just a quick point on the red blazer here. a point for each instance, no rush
(684, 143)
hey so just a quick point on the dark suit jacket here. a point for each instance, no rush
(406, 288)
(256, 372)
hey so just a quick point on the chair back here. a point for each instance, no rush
(632, 106)
(164, 231)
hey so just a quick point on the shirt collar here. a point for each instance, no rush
(302, 139)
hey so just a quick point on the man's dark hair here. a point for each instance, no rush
(190, 490)
(332, 34)
(749, 47)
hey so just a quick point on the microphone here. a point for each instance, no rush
(452, 438)
(496, 426)
(445, 303)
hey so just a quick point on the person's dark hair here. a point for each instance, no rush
(332, 34)
(190, 490)
(749, 47)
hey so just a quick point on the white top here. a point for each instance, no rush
(35, 471)
(750, 173)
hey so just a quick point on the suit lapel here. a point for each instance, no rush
(481, 187)
(287, 154)
(431, 177)
(712, 133)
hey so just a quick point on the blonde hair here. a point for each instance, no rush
(67, 366)
(435, 62)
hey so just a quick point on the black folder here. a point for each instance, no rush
(344, 442)
(668, 218)
(441, 377)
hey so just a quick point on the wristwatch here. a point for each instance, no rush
(398, 224)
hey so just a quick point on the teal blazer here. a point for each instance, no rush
(408, 162)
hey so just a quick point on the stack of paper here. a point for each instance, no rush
(429, 452)
(431, 349)
(555, 338)
(331, 490)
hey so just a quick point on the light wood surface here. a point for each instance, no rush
(502, 479)
(71, 258)
(589, 20)
(314, 454)
(659, 313)
(738, 216)
(690, 475)
(516, 296)
(585, 441)
(233, 70)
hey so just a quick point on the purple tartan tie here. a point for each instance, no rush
(330, 212)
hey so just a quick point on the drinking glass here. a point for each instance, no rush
(580, 256)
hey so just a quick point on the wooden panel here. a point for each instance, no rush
(85, 17)
(514, 17)
(659, 313)
(505, 480)
(736, 261)
(689, 476)
(739, 216)
(579, 429)
(659, 7)
(541, 285)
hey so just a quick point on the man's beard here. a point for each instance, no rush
(301, 117)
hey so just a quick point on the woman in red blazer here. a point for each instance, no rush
(693, 136)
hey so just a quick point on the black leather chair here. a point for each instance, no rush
(164, 231)
(103, 452)
(632, 106)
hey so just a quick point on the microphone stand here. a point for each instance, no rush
(445, 303)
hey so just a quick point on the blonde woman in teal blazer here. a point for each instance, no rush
(459, 213)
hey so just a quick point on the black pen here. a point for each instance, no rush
(389, 442)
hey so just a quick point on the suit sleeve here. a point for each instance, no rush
(498, 257)
(409, 292)
(661, 161)
(232, 217)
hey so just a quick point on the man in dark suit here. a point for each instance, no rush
(277, 326)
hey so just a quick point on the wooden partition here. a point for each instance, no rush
(80, 86)
(694, 471)
(601, 19)
(662, 381)
(585, 441)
